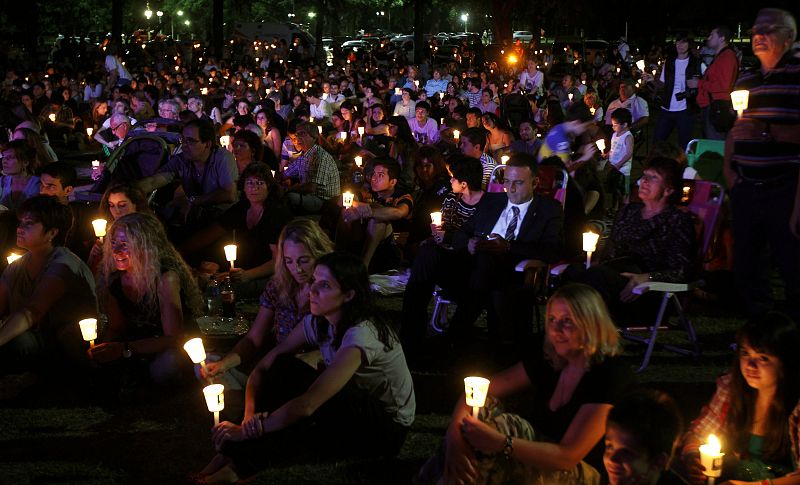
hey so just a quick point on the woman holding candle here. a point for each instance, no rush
(150, 297)
(430, 174)
(363, 402)
(255, 222)
(118, 200)
(751, 408)
(284, 302)
(575, 380)
(44, 293)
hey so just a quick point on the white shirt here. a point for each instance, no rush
(504, 220)
(680, 85)
(321, 111)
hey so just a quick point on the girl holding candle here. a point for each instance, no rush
(149, 295)
(363, 402)
(751, 408)
(283, 304)
(575, 379)
(118, 200)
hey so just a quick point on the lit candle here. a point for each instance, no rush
(416, 83)
(570, 96)
(204, 91)
(640, 64)
(99, 226)
(224, 140)
(436, 218)
(504, 159)
(95, 163)
(456, 135)
(342, 135)
(711, 458)
(52, 117)
(360, 131)
(311, 119)
(230, 253)
(476, 389)
(89, 330)
(397, 91)
(89, 132)
(601, 144)
(592, 110)
(359, 160)
(739, 100)
(13, 257)
(196, 351)
(589, 245)
(215, 399)
(441, 95)
(319, 129)
(347, 200)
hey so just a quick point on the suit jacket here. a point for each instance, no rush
(540, 235)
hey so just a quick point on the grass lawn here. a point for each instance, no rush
(52, 434)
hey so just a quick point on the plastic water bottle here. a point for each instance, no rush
(213, 302)
(228, 298)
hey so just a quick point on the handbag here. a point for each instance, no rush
(721, 114)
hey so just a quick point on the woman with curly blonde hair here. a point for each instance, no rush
(558, 440)
(284, 302)
(149, 296)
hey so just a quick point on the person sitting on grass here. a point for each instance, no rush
(576, 378)
(642, 432)
(283, 304)
(151, 300)
(118, 200)
(751, 411)
(361, 404)
(44, 293)
(58, 179)
(369, 224)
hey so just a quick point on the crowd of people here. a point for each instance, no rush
(323, 175)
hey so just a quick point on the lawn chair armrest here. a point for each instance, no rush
(558, 269)
(663, 287)
(527, 264)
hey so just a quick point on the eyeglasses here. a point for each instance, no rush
(114, 128)
(767, 29)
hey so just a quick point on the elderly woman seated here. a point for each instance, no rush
(651, 240)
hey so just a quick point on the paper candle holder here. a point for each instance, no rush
(230, 253)
(476, 389)
(89, 330)
(13, 257)
(215, 399)
(99, 226)
(224, 140)
(359, 160)
(504, 159)
(601, 144)
(456, 135)
(590, 245)
(347, 200)
(739, 100)
(197, 352)
(436, 218)
(711, 457)
(360, 131)
(640, 64)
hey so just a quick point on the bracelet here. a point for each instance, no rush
(508, 448)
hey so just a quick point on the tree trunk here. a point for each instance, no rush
(216, 28)
(419, 39)
(501, 11)
(319, 51)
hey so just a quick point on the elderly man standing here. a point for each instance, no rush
(717, 83)
(762, 167)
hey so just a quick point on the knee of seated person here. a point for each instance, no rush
(168, 366)
(22, 350)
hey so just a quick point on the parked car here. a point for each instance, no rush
(523, 36)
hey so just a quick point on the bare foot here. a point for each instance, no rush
(218, 462)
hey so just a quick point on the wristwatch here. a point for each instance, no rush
(127, 353)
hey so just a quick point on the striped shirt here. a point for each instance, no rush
(488, 167)
(774, 99)
(455, 212)
(318, 166)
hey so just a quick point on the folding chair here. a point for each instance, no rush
(706, 156)
(704, 200)
(698, 147)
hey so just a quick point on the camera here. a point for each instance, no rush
(680, 96)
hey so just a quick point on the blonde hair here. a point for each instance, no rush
(299, 231)
(151, 254)
(589, 313)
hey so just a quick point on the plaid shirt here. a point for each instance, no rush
(712, 420)
(318, 166)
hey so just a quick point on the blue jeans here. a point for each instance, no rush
(669, 120)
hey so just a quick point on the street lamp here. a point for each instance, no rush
(464, 18)
(148, 13)
(311, 15)
(159, 14)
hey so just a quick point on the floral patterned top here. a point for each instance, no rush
(287, 315)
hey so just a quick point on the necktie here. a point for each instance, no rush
(512, 225)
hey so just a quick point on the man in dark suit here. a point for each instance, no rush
(506, 229)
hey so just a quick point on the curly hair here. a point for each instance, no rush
(151, 254)
(299, 231)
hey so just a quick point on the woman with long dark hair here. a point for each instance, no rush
(750, 412)
(403, 148)
(362, 403)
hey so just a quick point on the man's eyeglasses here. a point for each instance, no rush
(767, 29)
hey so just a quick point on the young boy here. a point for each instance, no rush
(620, 156)
(641, 433)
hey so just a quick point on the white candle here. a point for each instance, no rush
(360, 131)
(224, 140)
(52, 117)
(347, 200)
(89, 132)
(397, 91)
(640, 64)
(436, 218)
(342, 135)
(476, 389)
(204, 91)
(739, 100)
(196, 351)
(99, 226)
(319, 129)
(13, 257)
(592, 110)
(89, 330)
(711, 458)
(570, 96)
(601, 144)
(456, 135)
(359, 160)
(95, 163)
(230, 253)
(589, 245)
(504, 159)
(311, 119)
(215, 399)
